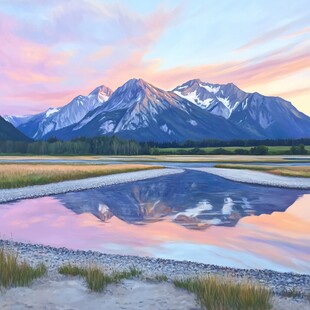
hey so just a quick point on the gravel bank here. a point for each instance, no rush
(7, 195)
(257, 177)
(55, 257)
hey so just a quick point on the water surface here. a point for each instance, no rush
(194, 216)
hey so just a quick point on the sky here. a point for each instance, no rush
(52, 51)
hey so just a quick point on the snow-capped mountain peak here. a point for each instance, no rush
(102, 93)
(51, 111)
(219, 99)
(39, 125)
(262, 115)
(139, 110)
(194, 110)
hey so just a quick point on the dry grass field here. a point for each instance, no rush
(20, 175)
(292, 171)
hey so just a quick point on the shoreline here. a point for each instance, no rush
(54, 257)
(164, 158)
(257, 178)
(9, 195)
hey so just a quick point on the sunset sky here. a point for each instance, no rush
(53, 50)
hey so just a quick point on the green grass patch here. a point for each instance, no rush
(96, 278)
(215, 293)
(272, 150)
(14, 273)
(161, 278)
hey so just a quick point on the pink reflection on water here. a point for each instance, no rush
(281, 238)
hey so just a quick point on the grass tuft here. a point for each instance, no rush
(96, 278)
(215, 293)
(161, 278)
(72, 270)
(14, 273)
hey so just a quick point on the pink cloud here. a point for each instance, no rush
(37, 72)
(50, 76)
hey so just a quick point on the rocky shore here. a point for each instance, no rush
(7, 195)
(257, 177)
(55, 257)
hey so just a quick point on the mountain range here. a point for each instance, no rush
(194, 110)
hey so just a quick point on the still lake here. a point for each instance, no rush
(190, 216)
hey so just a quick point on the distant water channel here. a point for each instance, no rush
(191, 216)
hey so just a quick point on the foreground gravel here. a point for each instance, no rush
(55, 257)
(257, 177)
(7, 195)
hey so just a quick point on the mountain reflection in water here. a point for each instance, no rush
(193, 199)
(166, 217)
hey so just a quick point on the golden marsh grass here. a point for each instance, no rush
(292, 171)
(20, 175)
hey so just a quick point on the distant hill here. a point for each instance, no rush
(9, 132)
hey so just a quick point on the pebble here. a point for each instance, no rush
(257, 177)
(7, 195)
(55, 257)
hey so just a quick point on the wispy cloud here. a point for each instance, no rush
(72, 48)
(277, 32)
(54, 50)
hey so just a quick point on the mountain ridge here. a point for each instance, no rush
(194, 110)
(39, 125)
(138, 110)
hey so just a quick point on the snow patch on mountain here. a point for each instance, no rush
(107, 126)
(194, 98)
(166, 129)
(225, 101)
(210, 88)
(51, 111)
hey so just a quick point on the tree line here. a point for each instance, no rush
(81, 146)
(224, 143)
(255, 150)
(106, 145)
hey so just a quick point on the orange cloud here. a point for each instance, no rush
(249, 73)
